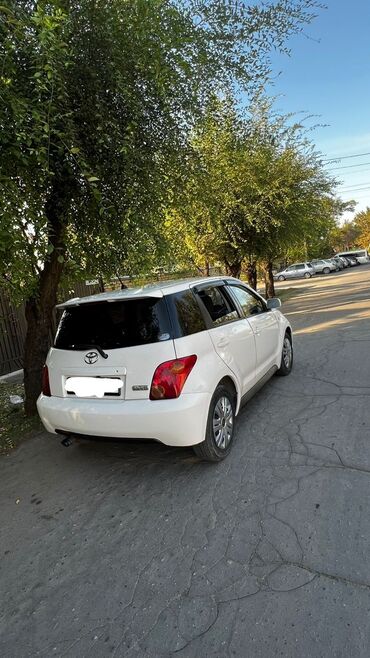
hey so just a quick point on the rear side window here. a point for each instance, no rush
(112, 325)
(218, 306)
(185, 313)
(300, 267)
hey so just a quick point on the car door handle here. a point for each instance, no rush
(223, 342)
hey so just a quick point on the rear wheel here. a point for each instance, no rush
(326, 270)
(281, 278)
(220, 427)
(286, 363)
(307, 275)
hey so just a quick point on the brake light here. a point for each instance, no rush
(45, 382)
(170, 377)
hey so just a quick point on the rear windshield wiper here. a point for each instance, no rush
(91, 347)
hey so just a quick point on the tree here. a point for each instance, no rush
(362, 226)
(345, 237)
(256, 188)
(97, 99)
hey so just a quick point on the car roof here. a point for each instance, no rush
(158, 290)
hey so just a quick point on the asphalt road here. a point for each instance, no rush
(142, 551)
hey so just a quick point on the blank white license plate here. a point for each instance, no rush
(94, 387)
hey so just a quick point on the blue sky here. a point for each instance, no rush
(328, 74)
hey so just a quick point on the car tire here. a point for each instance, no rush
(286, 363)
(220, 431)
(307, 275)
(326, 270)
(281, 278)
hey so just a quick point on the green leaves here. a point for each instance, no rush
(98, 103)
(256, 189)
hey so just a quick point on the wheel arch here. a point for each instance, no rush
(229, 382)
(288, 330)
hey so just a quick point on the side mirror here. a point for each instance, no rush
(274, 302)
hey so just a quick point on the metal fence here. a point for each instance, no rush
(13, 326)
(12, 335)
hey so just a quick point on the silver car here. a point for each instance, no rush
(296, 271)
(323, 266)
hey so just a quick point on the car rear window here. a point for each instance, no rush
(112, 325)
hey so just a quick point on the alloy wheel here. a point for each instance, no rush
(287, 352)
(223, 422)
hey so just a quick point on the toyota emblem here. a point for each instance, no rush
(91, 357)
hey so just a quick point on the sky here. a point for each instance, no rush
(328, 75)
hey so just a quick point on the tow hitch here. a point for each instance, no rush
(67, 441)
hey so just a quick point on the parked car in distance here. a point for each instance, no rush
(337, 264)
(173, 362)
(352, 261)
(323, 266)
(296, 271)
(341, 264)
(361, 255)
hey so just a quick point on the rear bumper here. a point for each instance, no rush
(179, 422)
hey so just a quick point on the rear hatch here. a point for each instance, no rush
(110, 349)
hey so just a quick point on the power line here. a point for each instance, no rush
(346, 157)
(350, 191)
(363, 164)
(363, 195)
(348, 186)
(355, 173)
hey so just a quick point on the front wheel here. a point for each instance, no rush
(326, 270)
(307, 275)
(281, 278)
(286, 363)
(220, 427)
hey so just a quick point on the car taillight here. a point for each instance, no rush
(45, 382)
(170, 377)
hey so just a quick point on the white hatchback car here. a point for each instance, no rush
(171, 362)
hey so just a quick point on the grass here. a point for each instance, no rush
(287, 293)
(14, 425)
(282, 293)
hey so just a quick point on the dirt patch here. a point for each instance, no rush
(14, 425)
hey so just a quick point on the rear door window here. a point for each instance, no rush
(113, 325)
(218, 306)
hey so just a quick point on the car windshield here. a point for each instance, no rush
(112, 325)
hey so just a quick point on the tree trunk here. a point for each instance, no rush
(39, 307)
(207, 268)
(252, 274)
(233, 269)
(269, 280)
(39, 315)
